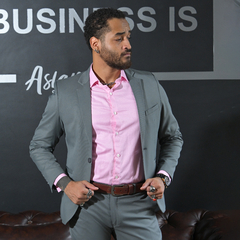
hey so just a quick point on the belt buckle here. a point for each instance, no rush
(112, 190)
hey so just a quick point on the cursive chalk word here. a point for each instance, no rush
(44, 82)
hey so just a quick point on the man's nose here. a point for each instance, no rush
(127, 44)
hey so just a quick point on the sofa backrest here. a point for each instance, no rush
(192, 225)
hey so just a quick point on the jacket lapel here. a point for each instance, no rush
(137, 88)
(84, 97)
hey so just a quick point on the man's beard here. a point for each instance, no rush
(114, 60)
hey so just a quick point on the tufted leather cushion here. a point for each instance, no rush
(32, 225)
(200, 225)
(179, 226)
(191, 225)
(224, 225)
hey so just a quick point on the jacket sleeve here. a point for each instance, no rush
(169, 136)
(45, 139)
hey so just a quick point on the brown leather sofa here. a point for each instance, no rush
(194, 225)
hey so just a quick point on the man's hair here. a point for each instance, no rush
(96, 24)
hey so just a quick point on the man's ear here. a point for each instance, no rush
(95, 44)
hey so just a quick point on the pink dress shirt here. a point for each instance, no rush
(116, 152)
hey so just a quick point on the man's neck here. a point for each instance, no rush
(105, 73)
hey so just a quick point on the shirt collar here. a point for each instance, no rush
(94, 80)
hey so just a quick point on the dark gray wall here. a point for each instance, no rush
(209, 115)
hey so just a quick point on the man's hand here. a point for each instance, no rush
(77, 191)
(158, 184)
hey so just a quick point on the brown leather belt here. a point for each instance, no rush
(119, 190)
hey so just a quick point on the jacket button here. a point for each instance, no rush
(89, 160)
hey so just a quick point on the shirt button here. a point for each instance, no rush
(115, 113)
(118, 155)
(116, 177)
(111, 93)
(117, 133)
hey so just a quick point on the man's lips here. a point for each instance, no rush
(127, 54)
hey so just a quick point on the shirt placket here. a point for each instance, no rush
(115, 135)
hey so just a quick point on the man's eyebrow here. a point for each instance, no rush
(122, 33)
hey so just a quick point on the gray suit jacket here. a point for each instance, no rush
(68, 112)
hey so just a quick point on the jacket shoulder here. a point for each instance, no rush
(69, 80)
(139, 73)
(73, 82)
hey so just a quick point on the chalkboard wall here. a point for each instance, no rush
(195, 57)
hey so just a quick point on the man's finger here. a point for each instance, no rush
(89, 185)
(146, 184)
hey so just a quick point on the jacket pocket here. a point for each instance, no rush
(152, 109)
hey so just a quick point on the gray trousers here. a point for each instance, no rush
(130, 217)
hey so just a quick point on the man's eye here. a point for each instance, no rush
(119, 39)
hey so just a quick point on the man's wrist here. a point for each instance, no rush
(63, 182)
(165, 179)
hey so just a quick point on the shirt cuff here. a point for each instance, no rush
(165, 173)
(57, 179)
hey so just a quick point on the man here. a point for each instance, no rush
(123, 141)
